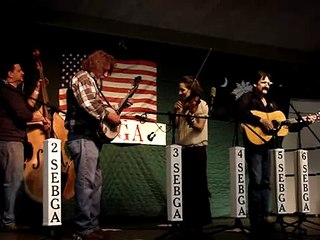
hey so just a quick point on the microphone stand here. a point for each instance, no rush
(301, 216)
(304, 124)
(174, 226)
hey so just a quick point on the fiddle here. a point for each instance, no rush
(190, 107)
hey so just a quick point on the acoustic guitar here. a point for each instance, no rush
(107, 132)
(259, 135)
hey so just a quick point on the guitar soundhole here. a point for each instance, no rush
(276, 124)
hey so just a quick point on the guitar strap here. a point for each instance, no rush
(101, 93)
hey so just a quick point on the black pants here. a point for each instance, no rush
(195, 193)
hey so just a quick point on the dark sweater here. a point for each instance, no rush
(14, 113)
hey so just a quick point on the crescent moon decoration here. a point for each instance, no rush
(225, 83)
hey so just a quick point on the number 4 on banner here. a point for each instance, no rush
(237, 182)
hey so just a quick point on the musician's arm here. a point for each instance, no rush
(123, 105)
(244, 114)
(128, 103)
(32, 100)
(178, 109)
(200, 122)
(296, 126)
(267, 123)
(86, 94)
(89, 99)
(18, 107)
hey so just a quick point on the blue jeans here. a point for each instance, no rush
(259, 169)
(85, 154)
(11, 177)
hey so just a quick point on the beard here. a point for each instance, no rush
(265, 91)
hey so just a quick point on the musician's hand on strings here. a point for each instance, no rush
(44, 81)
(311, 118)
(190, 120)
(267, 123)
(178, 106)
(39, 119)
(38, 85)
(128, 103)
(46, 123)
(113, 118)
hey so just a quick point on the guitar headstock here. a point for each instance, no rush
(135, 85)
(136, 81)
(317, 117)
(312, 118)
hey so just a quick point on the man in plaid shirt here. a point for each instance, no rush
(86, 108)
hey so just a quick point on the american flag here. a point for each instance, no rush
(117, 86)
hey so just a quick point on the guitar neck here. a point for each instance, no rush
(298, 120)
(121, 105)
(130, 94)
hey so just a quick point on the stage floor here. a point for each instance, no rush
(288, 227)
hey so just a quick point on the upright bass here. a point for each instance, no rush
(33, 173)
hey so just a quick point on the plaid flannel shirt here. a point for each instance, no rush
(87, 95)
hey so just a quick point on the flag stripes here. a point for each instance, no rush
(118, 84)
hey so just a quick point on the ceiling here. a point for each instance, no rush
(286, 29)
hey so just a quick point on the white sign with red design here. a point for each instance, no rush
(135, 132)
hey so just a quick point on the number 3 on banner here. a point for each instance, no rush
(174, 183)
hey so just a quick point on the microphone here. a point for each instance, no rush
(212, 97)
(279, 85)
(141, 118)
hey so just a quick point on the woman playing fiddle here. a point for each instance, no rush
(192, 135)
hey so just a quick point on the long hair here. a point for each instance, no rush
(192, 84)
(96, 62)
(259, 75)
